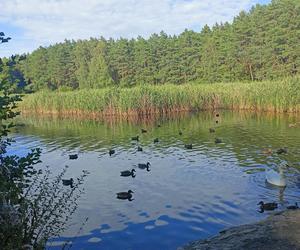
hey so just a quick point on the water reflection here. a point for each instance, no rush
(189, 193)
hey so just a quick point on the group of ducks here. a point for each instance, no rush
(275, 178)
(273, 205)
(131, 172)
(272, 177)
(126, 173)
(144, 166)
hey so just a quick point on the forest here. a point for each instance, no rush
(262, 44)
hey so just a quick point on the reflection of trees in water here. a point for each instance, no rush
(244, 134)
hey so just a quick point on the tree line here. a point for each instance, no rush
(260, 44)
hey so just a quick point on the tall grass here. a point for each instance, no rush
(276, 96)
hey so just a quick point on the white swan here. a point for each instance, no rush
(276, 178)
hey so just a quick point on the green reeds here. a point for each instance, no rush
(275, 96)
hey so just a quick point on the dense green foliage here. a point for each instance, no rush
(262, 44)
(278, 96)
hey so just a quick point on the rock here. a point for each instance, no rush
(279, 231)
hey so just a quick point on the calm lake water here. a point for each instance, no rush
(188, 194)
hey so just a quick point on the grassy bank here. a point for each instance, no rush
(275, 96)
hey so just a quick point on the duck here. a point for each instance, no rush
(180, 133)
(218, 140)
(158, 125)
(293, 207)
(135, 138)
(73, 157)
(217, 114)
(188, 146)
(111, 152)
(276, 178)
(282, 151)
(267, 206)
(212, 130)
(68, 182)
(292, 125)
(128, 173)
(144, 166)
(267, 151)
(125, 195)
(144, 130)
(140, 149)
(156, 140)
(217, 121)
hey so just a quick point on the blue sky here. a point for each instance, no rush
(34, 23)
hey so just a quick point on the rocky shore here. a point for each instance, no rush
(279, 231)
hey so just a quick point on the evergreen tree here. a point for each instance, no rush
(99, 74)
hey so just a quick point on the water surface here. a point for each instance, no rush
(188, 194)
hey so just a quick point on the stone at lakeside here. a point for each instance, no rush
(279, 231)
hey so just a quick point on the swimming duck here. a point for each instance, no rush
(140, 149)
(276, 178)
(188, 146)
(218, 140)
(128, 173)
(135, 138)
(156, 140)
(180, 133)
(144, 130)
(267, 151)
(73, 157)
(267, 206)
(282, 151)
(293, 207)
(111, 152)
(217, 114)
(68, 182)
(125, 195)
(144, 166)
(212, 130)
(158, 125)
(217, 121)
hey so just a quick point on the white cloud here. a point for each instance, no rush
(49, 21)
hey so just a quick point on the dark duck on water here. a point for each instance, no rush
(125, 195)
(267, 206)
(144, 166)
(73, 157)
(128, 173)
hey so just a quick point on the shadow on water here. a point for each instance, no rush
(195, 188)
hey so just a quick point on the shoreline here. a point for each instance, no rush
(280, 230)
(77, 114)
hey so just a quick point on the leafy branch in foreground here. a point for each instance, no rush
(34, 205)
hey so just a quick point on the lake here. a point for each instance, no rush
(188, 194)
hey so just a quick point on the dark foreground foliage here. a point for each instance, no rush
(34, 205)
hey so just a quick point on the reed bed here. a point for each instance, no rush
(274, 96)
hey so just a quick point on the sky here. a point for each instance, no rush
(34, 23)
